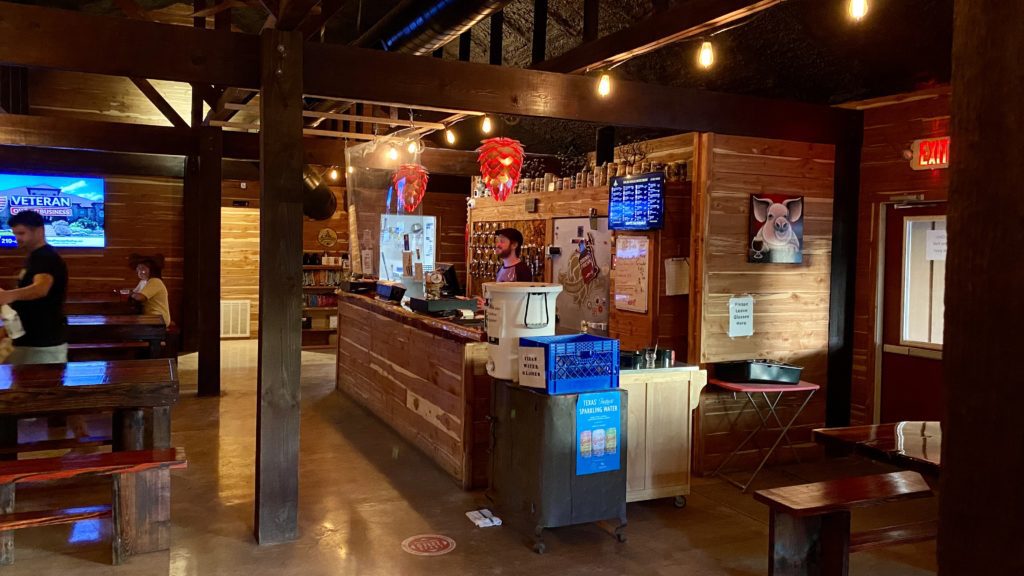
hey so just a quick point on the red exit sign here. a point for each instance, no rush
(930, 153)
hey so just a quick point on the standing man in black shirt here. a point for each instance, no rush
(39, 298)
(508, 246)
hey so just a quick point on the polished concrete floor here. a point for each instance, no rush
(364, 490)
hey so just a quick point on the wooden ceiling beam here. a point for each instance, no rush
(664, 27)
(161, 103)
(314, 23)
(293, 12)
(40, 37)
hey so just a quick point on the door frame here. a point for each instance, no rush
(878, 340)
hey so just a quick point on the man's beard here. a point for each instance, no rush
(505, 254)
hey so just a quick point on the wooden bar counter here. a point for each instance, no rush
(424, 377)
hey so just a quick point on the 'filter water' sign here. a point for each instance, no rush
(598, 433)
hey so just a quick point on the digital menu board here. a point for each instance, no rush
(637, 202)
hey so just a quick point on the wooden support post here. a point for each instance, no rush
(466, 45)
(591, 9)
(983, 448)
(192, 204)
(280, 336)
(211, 148)
(14, 90)
(605, 145)
(497, 37)
(809, 546)
(540, 30)
(844, 272)
(141, 505)
(7, 537)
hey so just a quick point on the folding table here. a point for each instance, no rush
(751, 390)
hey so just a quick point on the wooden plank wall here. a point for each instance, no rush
(791, 302)
(103, 98)
(240, 259)
(143, 215)
(449, 206)
(890, 125)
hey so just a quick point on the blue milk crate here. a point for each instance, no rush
(574, 363)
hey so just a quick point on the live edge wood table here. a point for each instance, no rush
(140, 393)
(424, 377)
(113, 328)
(912, 445)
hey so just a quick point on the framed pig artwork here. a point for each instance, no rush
(776, 229)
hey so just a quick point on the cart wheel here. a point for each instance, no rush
(680, 501)
(539, 547)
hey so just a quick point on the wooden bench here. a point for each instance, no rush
(810, 523)
(140, 503)
(85, 351)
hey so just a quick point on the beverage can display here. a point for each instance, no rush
(611, 440)
(586, 444)
(599, 442)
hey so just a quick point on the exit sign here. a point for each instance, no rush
(930, 153)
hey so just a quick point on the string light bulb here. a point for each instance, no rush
(485, 126)
(449, 136)
(413, 147)
(351, 169)
(392, 153)
(333, 173)
(604, 86)
(858, 9)
(706, 55)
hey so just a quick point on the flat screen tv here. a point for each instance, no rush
(71, 206)
(637, 202)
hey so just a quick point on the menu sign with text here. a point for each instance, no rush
(637, 202)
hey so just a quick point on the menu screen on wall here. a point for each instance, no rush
(637, 202)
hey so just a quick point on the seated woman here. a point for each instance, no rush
(151, 291)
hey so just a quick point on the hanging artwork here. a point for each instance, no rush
(776, 229)
(410, 182)
(501, 161)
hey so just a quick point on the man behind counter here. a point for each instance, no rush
(508, 246)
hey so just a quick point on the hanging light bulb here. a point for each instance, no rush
(351, 169)
(485, 126)
(392, 153)
(449, 136)
(604, 86)
(858, 9)
(413, 147)
(706, 56)
(333, 173)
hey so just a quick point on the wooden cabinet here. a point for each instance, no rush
(661, 405)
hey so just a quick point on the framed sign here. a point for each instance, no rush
(929, 153)
(776, 229)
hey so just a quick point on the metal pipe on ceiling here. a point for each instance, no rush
(420, 27)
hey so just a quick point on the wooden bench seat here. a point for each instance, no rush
(140, 503)
(85, 351)
(810, 523)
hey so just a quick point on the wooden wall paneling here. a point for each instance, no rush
(791, 302)
(449, 207)
(99, 97)
(240, 259)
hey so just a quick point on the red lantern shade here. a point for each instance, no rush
(501, 160)
(410, 182)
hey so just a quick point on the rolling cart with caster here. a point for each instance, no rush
(542, 475)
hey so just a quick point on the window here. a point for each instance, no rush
(924, 281)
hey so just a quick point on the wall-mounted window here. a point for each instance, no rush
(924, 281)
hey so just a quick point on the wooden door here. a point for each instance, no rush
(913, 312)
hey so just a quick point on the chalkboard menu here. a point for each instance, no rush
(637, 202)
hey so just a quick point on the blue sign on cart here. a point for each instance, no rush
(597, 432)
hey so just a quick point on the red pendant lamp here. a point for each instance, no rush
(410, 182)
(501, 160)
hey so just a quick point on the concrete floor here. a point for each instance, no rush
(364, 490)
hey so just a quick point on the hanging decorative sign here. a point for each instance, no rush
(501, 160)
(930, 153)
(410, 182)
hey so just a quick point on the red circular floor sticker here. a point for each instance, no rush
(428, 545)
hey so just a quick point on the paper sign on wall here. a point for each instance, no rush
(935, 244)
(741, 316)
(677, 276)
(631, 266)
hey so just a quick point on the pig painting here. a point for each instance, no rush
(776, 229)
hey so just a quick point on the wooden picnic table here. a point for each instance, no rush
(140, 393)
(104, 304)
(911, 445)
(114, 328)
